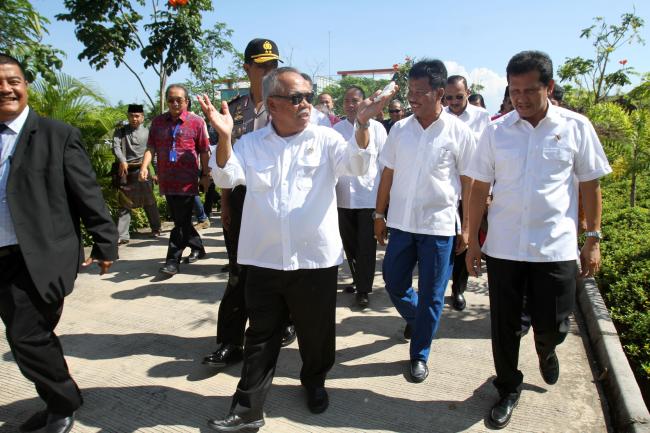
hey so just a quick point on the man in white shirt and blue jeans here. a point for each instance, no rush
(424, 160)
(289, 236)
(538, 157)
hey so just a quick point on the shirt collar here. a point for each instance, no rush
(17, 124)
(552, 114)
(182, 117)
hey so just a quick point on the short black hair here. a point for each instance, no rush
(453, 79)
(476, 97)
(558, 93)
(357, 88)
(432, 69)
(527, 61)
(6, 59)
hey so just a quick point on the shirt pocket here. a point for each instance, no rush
(556, 161)
(444, 162)
(260, 175)
(307, 166)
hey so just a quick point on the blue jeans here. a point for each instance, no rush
(198, 209)
(422, 309)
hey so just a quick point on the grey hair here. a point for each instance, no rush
(271, 85)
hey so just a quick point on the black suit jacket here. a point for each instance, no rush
(51, 187)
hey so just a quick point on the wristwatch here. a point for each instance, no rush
(595, 234)
(376, 215)
(360, 125)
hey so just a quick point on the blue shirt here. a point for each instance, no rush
(8, 140)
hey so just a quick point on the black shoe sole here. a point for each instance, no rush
(167, 272)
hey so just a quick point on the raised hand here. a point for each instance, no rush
(221, 121)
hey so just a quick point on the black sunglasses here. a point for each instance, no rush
(297, 98)
(450, 97)
(394, 111)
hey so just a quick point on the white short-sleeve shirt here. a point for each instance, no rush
(360, 192)
(289, 218)
(536, 171)
(477, 118)
(427, 166)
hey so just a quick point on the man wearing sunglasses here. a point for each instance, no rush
(477, 118)
(180, 140)
(395, 114)
(261, 56)
(289, 237)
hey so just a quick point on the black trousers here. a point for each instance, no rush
(232, 316)
(357, 233)
(459, 275)
(309, 296)
(183, 234)
(30, 323)
(550, 290)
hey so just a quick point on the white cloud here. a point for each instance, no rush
(494, 83)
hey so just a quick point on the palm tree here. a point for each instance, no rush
(81, 104)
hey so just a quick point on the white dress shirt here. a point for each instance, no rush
(477, 118)
(360, 192)
(534, 213)
(427, 165)
(290, 219)
(8, 140)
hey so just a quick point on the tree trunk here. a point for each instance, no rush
(633, 190)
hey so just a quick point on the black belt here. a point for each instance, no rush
(9, 250)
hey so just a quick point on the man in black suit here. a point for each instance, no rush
(47, 186)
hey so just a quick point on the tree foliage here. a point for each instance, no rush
(369, 86)
(81, 104)
(626, 138)
(110, 29)
(592, 74)
(22, 30)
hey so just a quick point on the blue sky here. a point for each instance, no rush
(475, 38)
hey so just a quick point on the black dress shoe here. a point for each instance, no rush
(233, 422)
(195, 255)
(59, 423)
(317, 399)
(458, 303)
(419, 370)
(170, 268)
(225, 268)
(502, 411)
(350, 289)
(35, 422)
(362, 299)
(407, 332)
(549, 366)
(288, 335)
(225, 355)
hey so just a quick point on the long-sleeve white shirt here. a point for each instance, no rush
(360, 192)
(290, 219)
(477, 118)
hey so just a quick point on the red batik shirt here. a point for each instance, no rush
(180, 177)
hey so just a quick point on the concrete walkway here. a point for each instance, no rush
(134, 342)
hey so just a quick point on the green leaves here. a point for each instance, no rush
(591, 74)
(110, 29)
(21, 33)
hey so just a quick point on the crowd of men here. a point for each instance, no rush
(300, 186)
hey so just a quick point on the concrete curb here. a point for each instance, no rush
(629, 411)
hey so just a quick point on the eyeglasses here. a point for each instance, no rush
(178, 101)
(297, 98)
(452, 97)
(394, 111)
